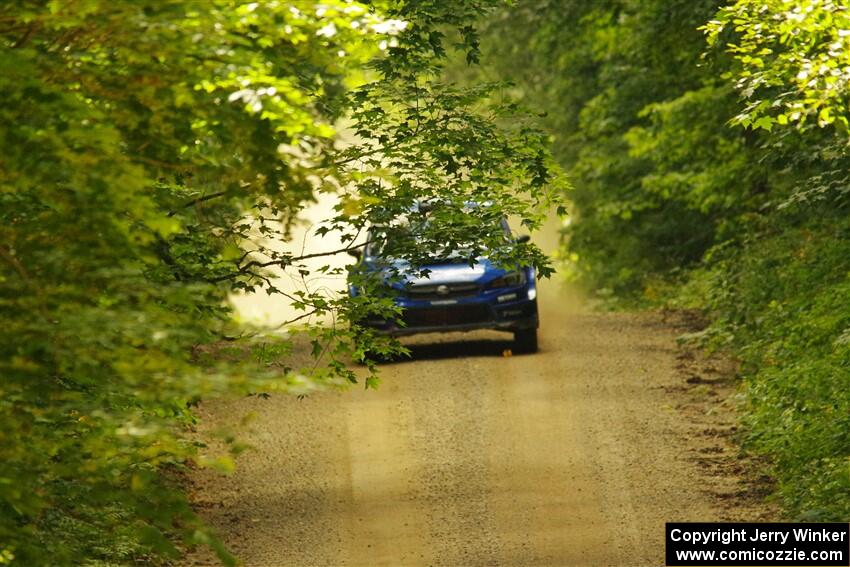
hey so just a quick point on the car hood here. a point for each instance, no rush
(444, 273)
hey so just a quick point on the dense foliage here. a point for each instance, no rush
(154, 157)
(708, 146)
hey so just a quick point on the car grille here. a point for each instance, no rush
(447, 316)
(442, 291)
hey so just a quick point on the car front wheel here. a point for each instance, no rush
(525, 341)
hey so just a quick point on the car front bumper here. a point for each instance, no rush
(458, 315)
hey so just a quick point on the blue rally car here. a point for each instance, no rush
(457, 296)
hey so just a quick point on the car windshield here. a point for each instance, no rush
(383, 242)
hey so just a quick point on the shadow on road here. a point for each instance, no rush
(460, 347)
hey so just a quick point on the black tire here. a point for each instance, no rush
(525, 341)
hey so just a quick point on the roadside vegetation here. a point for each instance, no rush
(155, 156)
(708, 147)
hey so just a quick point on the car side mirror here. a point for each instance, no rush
(355, 252)
(523, 239)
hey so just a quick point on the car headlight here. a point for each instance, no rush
(511, 279)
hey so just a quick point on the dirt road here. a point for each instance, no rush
(575, 456)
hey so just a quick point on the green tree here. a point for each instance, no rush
(781, 296)
(793, 60)
(635, 122)
(151, 151)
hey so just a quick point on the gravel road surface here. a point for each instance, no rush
(465, 456)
